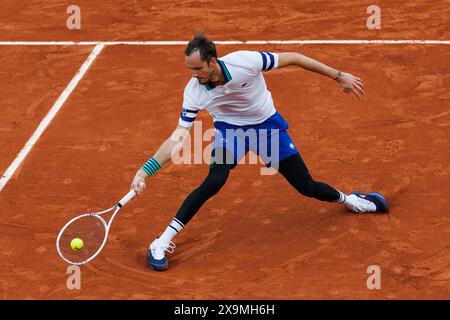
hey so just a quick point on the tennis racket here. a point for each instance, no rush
(92, 229)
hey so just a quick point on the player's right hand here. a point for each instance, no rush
(138, 184)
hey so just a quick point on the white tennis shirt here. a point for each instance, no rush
(242, 100)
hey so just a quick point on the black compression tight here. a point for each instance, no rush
(297, 174)
(292, 168)
(217, 176)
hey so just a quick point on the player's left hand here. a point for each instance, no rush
(350, 83)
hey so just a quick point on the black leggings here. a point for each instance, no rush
(297, 174)
(292, 168)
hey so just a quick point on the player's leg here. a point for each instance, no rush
(293, 168)
(221, 164)
(277, 149)
(214, 181)
(225, 155)
(291, 165)
(297, 174)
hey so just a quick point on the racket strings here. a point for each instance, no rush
(91, 230)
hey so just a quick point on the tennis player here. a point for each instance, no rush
(233, 91)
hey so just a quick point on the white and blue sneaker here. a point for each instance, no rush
(370, 202)
(156, 255)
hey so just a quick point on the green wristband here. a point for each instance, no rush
(151, 166)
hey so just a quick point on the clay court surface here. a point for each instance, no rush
(258, 238)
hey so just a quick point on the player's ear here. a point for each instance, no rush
(213, 61)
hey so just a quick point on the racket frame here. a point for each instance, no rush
(130, 195)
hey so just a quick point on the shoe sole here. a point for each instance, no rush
(157, 268)
(161, 267)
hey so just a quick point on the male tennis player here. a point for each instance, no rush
(233, 90)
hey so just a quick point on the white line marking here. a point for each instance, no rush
(179, 43)
(49, 117)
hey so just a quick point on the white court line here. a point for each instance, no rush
(178, 43)
(49, 117)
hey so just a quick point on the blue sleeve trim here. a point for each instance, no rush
(264, 59)
(187, 119)
(188, 110)
(272, 61)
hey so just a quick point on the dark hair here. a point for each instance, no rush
(206, 47)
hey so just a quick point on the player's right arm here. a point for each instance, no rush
(189, 112)
(169, 147)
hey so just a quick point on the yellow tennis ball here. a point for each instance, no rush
(76, 244)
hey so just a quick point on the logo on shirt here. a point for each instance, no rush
(243, 85)
(291, 145)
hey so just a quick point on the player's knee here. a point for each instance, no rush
(215, 180)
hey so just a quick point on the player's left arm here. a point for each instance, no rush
(347, 81)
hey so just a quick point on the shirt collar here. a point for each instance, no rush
(226, 75)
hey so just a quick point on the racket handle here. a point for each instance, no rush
(130, 195)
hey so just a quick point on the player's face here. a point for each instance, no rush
(200, 69)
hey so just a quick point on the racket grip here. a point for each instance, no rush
(130, 195)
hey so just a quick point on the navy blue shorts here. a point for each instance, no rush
(270, 139)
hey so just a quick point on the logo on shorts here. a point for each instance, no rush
(291, 145)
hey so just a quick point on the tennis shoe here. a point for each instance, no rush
(156, 255)
(356, 202)
(371, 202)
